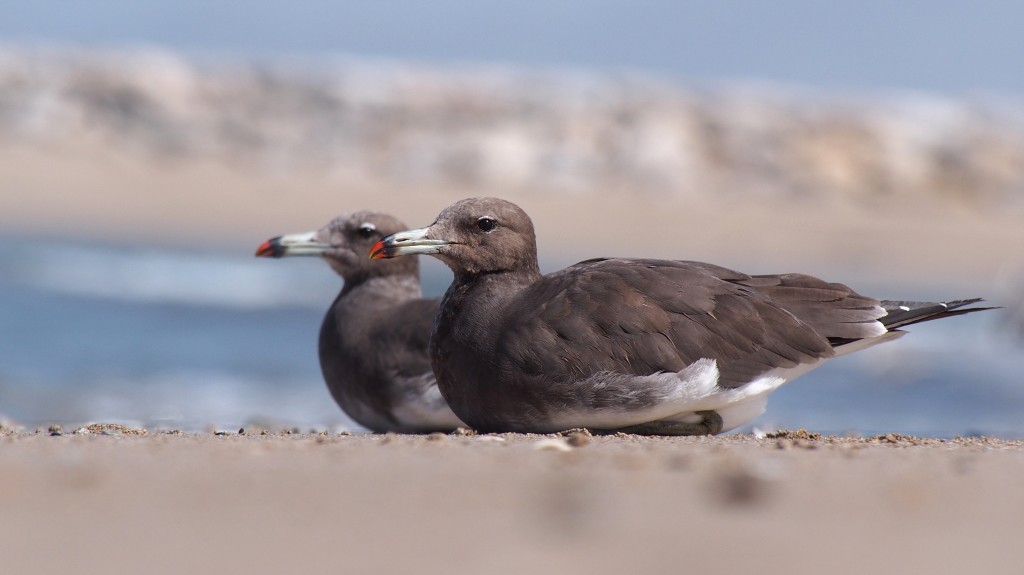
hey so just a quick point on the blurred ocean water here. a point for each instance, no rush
(179, 339)
(163, 338)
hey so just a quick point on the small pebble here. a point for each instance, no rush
(114, 429)
(577, 439)
(552, 445)
(680, 462)
(743, 484)
(741, 488)
(55, 430)
(489, 438)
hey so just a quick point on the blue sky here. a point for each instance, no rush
(939, 45)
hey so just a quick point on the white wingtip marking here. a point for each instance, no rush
(904, 308)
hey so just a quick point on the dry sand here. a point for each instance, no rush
(111, 502)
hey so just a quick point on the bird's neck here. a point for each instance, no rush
(381, 291)
(474, 304)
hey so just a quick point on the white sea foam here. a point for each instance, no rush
(182, 399)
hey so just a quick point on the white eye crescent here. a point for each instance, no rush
(367, 229)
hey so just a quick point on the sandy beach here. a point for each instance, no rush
(114, 500)
(111, 501)
(170, 503)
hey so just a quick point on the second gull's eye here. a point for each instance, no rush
(366, 230)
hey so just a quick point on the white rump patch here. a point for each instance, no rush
(877, 328)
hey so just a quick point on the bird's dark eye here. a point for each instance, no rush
(486, 224)
(366, 230)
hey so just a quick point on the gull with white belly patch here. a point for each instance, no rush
(635, 345)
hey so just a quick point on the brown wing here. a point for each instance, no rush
(832, 309)
(646, 316)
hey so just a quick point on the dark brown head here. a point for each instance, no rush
(343, 243)
(472, 236)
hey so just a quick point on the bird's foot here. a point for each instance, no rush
(710, 424)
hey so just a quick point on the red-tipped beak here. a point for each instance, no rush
(379, 251)
(304, 244)
(268, 248)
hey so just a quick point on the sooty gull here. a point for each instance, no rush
(634, 345)
(374, 338)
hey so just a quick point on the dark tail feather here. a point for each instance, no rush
(904, 313)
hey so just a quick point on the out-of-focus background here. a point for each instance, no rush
(146, 149)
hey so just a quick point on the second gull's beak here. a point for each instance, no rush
(293, 245)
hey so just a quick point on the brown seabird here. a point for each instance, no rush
(374, 339)
(635, 345)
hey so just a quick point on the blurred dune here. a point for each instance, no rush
(509, 130)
